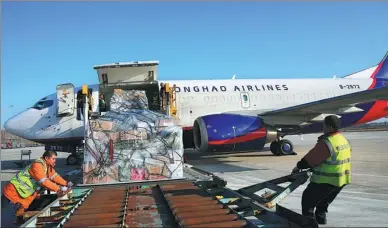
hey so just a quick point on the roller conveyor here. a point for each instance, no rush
(166, 203)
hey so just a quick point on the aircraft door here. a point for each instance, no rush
(65, 99)
(245, 100)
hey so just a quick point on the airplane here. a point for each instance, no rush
(231, 114)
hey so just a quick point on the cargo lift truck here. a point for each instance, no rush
(165, 103)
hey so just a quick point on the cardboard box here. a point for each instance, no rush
(101, 125)
(146, 145)
(94, 173)
(133, 135)
(124, 100)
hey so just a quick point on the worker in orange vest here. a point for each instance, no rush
(31, 181)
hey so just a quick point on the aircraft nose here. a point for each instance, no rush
(13, 126)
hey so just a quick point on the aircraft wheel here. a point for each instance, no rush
(72, 159)
(285, 147)
(274, 147)
(80, 159)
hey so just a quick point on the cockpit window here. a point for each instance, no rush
(43, 104)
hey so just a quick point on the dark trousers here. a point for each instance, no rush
(80, 111)
(318, 196)
(8, 211)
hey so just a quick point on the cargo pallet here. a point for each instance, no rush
(201, 199)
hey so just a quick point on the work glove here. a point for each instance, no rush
(60, 193)
(63, 191)
(295, 170)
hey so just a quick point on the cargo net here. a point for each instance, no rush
(132, 143)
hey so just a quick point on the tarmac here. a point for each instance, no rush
(364, 203)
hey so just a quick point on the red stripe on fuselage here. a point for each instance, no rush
(378, 110)
(372, 86)
(377, 70)
(260, 133)
(373, 76)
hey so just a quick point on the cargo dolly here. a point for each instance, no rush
(187, 202)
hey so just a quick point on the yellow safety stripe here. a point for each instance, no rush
(340, 162)
(39, 160)
(346, 172)
(43, 180)
(53, 176)
(333, 155)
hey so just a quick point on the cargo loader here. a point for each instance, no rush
(200, 199)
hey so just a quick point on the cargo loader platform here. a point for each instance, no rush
(200, 201)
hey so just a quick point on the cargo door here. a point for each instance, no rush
(245, 100)
(65, 99)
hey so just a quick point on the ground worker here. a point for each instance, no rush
(29, 183)
(330, 164)
(80, 104)
(101, 103)
(90, 101)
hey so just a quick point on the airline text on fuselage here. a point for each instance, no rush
(243, 88)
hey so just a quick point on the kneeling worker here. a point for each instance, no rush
(330, 164)
(31, 181)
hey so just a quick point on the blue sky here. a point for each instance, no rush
(49, 43)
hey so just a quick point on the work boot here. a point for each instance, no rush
(19, 220)
(321, 218)
(19, 213)
(19, 210)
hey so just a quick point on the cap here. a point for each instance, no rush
(333, 121)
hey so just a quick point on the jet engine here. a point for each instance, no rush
(231, 132)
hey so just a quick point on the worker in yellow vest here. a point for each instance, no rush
(27, 185)
(330, 164)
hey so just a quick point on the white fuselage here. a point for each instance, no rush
(196, 98)
(202, 97)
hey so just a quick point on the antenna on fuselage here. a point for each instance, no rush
(234, 76)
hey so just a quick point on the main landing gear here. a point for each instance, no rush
(76, 157)
(72, 159)
(282, 147)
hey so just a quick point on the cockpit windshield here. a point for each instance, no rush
(43, 104)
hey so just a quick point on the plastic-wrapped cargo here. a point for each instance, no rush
(132, 144)
(125, 100)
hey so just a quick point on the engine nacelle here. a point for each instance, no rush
(231, 132)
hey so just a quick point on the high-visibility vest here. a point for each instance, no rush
(336, 169)
(25, 184)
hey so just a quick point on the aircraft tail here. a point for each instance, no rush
(380, 71)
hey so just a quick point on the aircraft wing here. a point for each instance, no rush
(317, 110)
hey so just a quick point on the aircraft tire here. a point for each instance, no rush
(285, 147)
(274, 147)
(72, 159)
